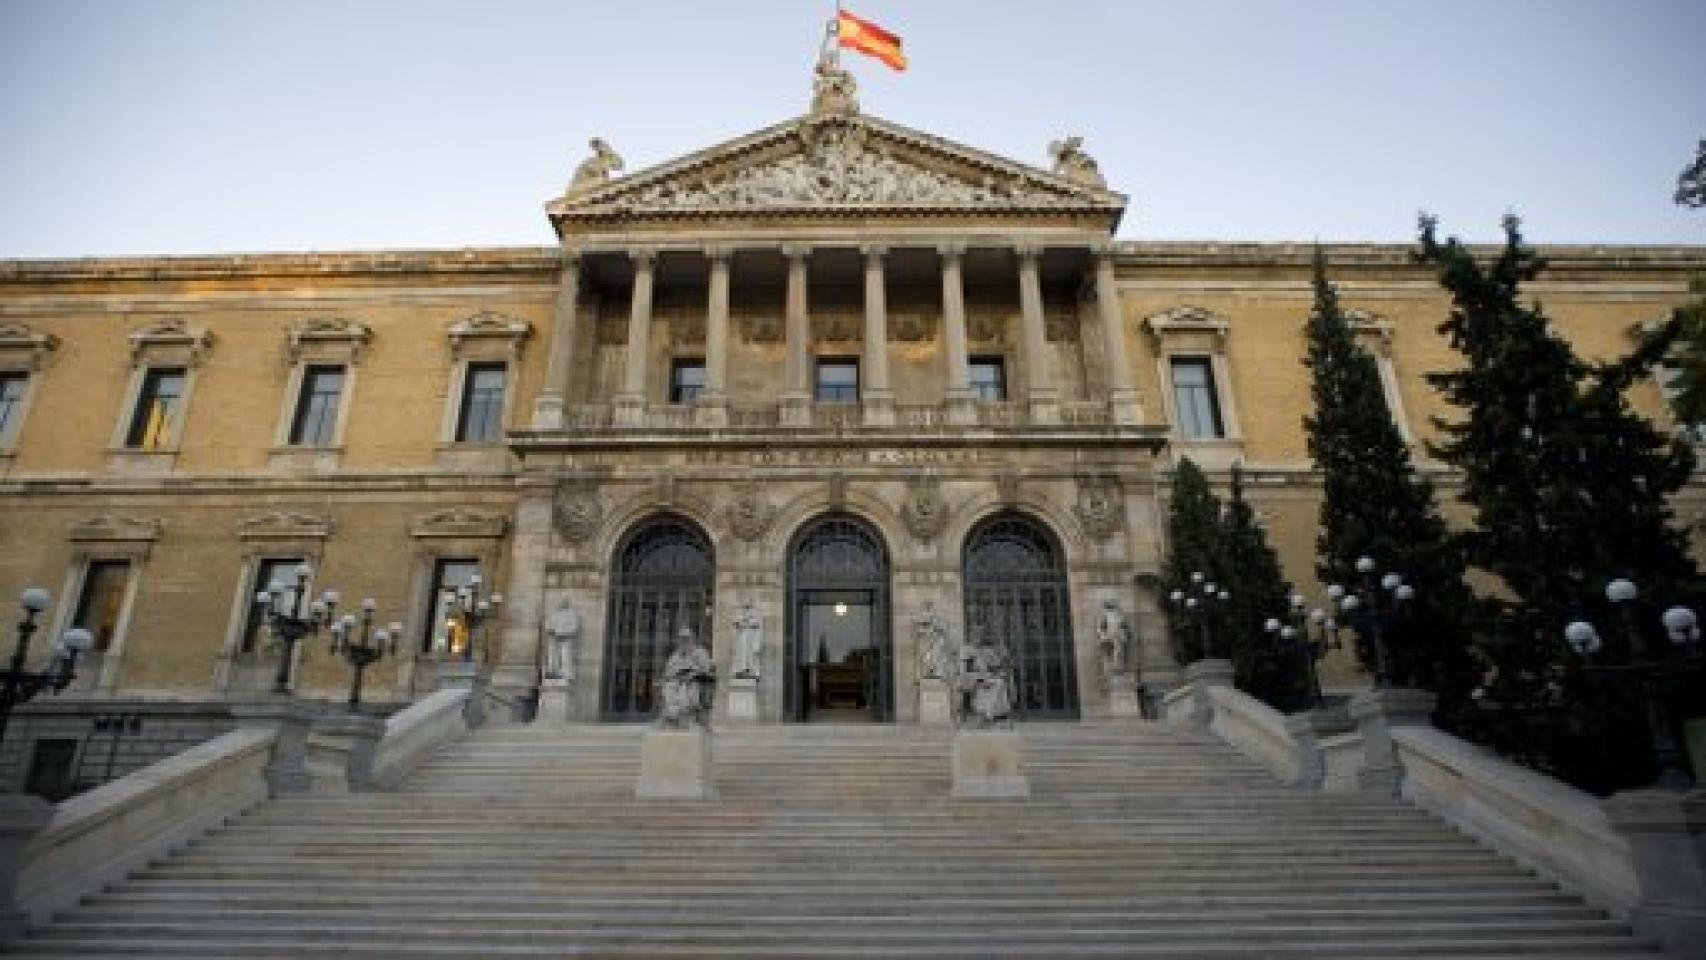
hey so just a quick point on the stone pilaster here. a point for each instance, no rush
(565, 323)
(797, 395)
(631, 402)
(878, 397)
(713, 409)
(961, 409)
(515, 678)
(1041, 394)
(1122, 396)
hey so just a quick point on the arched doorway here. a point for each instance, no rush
(1014, 583)
(839, 657)
(662, 579)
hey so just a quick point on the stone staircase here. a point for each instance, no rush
(1139, 840)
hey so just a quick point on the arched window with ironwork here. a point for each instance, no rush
(662, 579)
(1015, 587)
(838, 662)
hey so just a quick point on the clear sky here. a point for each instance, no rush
(204, 126)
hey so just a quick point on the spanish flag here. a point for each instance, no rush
(869, 39)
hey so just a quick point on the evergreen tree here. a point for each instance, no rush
(1691, 182)
(1569, 489)
(1251, 574)
(1193, 538)
(1375, 505)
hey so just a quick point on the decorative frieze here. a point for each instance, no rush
(284, 525)
(459, 523)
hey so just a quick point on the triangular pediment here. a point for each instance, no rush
(835, 166)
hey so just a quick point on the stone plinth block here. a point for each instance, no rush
(675, 765)
(340, 751)
(1307, 729)
(1666, 832)
(989, 765)
(554, 696)
(743, 700)
(1377, 712)
(21, 817)
(287, 772)
(934, 705)
(472, 677)
(1121, 696)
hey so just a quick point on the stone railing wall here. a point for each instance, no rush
(833, 416)
(417, 731)
(1256, 730)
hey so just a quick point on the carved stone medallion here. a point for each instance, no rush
(749, 514)
(1098, 506)
(924, 512)
(577, 511)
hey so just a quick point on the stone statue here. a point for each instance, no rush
(688, 678)
(1071, 162)
(930, 630)
(562, 631)
(986, 682)
(749, 639)
(833, 89)
(595, 170)
(1113, 638)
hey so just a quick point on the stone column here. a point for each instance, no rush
(1043, 396)
(516, 675)
(961, 409)
(631, 402)
(1122, 397)
(878, 397)
(796, 393)
(565, 330)
(713, 406)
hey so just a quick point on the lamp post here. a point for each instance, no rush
(287, 621)
(362, 646)
(466, 613)
(18, 685)
(1196, 602)
(1372, 606)
(1309, 634)
(1644, 671)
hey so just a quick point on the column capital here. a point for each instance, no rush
(570, 257)
(643, 256)
(796, 251)
(1103, 251)
(718, 252)
(874, 251)
(951, 250)
(1027, 250)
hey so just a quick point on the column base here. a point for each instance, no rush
(548, 412)
(1124, 408)
(629, 410)
(962, 407)
(711, 410)
(796, 410)
(879, 408)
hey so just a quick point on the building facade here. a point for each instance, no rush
(839, 373)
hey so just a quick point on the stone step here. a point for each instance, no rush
(1577, 948)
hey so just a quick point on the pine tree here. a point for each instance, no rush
(1193, 538)
(1375, 505)
(1569, 489)
(1251, 573)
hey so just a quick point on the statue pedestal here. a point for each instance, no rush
(988, 765)
(743, 700)
(675, 765)
(554, 707)
(1121, 690)
(934, 705)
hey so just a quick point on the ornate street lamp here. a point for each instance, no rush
(18, 685)
(1644, 671)
(286, 620)
(1196, 603)
(1371, 607)
(466, 613)
(363, 646)
(1309, 634)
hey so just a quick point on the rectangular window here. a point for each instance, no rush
(481, 419)
(1195, 399)
(52, 769)
(11, 403)
(158, 407)
(686, 380)
(838, 380)
(988, 379)
(447, 576)
(102, 600)
(268, 572)
(316, 421)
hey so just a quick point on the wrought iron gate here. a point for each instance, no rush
(838, 555)
(662, 580)
(1015, 585)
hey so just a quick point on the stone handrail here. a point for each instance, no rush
(1548, 826)
(416, 731)
(1256, 730)
(97, 837)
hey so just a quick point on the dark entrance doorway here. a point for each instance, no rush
(839, 656)
(1015, 586)
(662, 580)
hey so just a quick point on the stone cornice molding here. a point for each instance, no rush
(459, 523)
(116, 528)
(488, 332)
(19, 342)
(284, 525)
(1182, 320)
(170, 340)
(1373, 329)
(330, 337)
